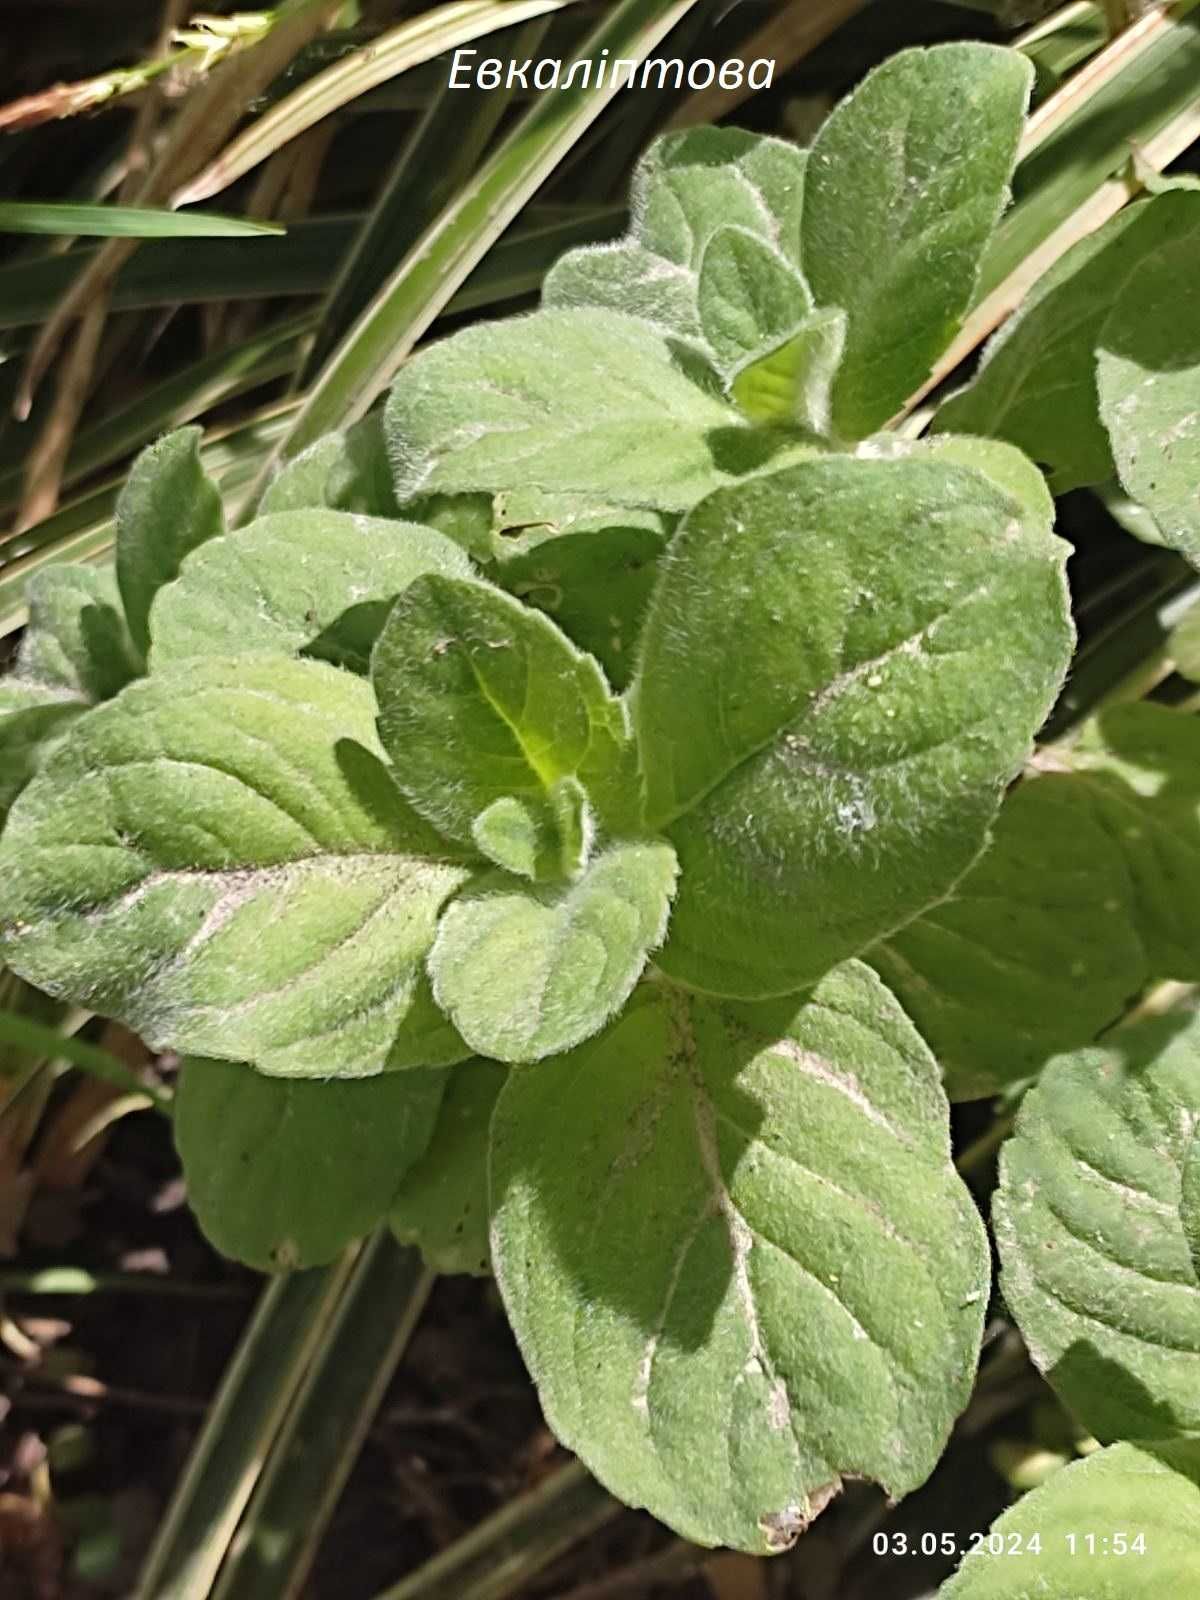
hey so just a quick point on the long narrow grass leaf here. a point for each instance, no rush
(124, 222)
(44, 1043)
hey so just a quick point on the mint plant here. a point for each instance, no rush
(590, 817)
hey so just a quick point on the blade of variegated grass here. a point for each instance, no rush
(304, 263)
(328, 1421)
(45, 1043)
(408, 45)
(511, 1547)
(1063, 40)
(446, 254)
(289, 1328)
(1143, 91)
(188, 393)
(124, 222)
(442, 152)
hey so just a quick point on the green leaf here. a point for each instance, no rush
(843, 666)
(1148, 375)
(748, 295)
(482, 698)
(1036, 384)
(1141, 764)
(1074, 1536)
(794, 382)
(1034, 952)
(750, 1270)
(32, 719)
(124, 222)
(282, 1175)
(219, 858)
(525, 974)
(346, 471)
(320, 581)
(906, 180)
(442, 1202)
(577, 402)
(1096, 1264)
(167, 508)
(688, 188)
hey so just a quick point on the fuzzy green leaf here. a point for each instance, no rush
(282, 1175)
(1096, 1265)
(748, 295)
(843, 665)
(345, 471)
(167, 508)
(1036, 384)
(220, 858)
(576, 402)
(526, 974)
(318, 581)
(1148, 374)
(482, 698)
(1035, 951)
(906, 180)
(1074, 1537)
(794, 382)
(736, 1256)
(442, 1203)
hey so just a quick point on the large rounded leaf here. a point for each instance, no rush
(1097, 1266)
(736, 1255)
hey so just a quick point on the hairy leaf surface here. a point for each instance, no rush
(905, 182)
(220, 858)
(843, 665)
(1096, 1264)
(750, 1269)
(283, 1174)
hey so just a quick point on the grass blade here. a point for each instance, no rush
(124, 222)
(320, 1441)
(445, 255)
(45, 1043)
(413, 42)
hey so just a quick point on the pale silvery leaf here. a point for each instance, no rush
(1097, 1268)
(482, 698)
(748, 295)
(526, 973)
(1141, 767)
(687, 187)
(442, 1203)
(1034, 952)
(737, 1258)
(220, 858)
(1036, 384)
(284, 1174)
(843, 666)
(1148, 374)
(168, 506)
(315, 580)
(577, 402)
(906, 180)
(1073, 1538)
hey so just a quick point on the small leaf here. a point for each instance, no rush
(482, 698)
(282, 1175)
(576, 402)
(1035, 952)
(1141, 766)
(1148, 374)
(344, 471)
(1074, 1537)
(321, 581)
(748, 295)
(508, 834)
(1036, 384)
(167, 508)
(906, 180)
(1096, 1265)
(219, 858)
(525, 974)
(736, 1256)
(843, 665)
(794, 383)
(442, 1202)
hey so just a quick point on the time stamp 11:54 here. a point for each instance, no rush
(1118, 1542)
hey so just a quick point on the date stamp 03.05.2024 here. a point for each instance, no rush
(1117, 1542)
